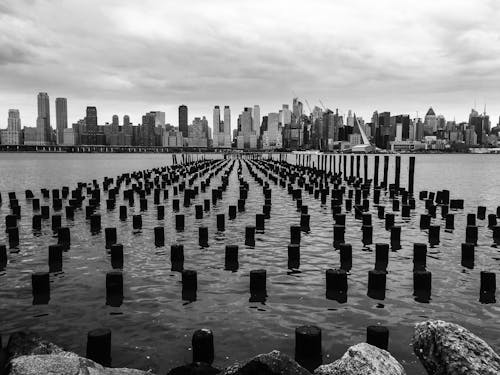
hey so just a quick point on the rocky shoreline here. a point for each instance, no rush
(443, 348)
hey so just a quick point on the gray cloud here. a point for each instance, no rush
(131, 57)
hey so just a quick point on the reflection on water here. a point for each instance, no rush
(153, 318)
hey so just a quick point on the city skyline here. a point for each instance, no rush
(208, 112)
(397, 57)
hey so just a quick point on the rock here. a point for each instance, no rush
(61, 364)
(446, 348)
(197, 368)
(363, 359)
(29, 354)
(273, 363)
(28, 343)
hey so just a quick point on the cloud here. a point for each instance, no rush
(131, 57)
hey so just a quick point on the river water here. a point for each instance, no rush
(153, 326)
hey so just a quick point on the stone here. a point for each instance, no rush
(62, 364)
(273, 363)
(29, 354)
(29, 343)
(363, 359)
(447, 348)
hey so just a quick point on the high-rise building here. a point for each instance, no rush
(183, 120)
(148, 130)
(44, 130)
(13, 134)
(297, 109)
(159, 117)
(256, 119)
(115, 121)
(227, 127)
(126, 120)
(271, 136)
(247, 137)
(430, 122)
(61, 119)
(216, 123)
(221, 129)
(14, 120)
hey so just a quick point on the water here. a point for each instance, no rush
(153, 326)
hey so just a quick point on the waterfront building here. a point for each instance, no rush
(383, 131)
(173, 138)
(44, 130)
(408, 146)
(355, 139)
(147, 130)
(183, 120)
(159, 118)
(471, 137)
(297, 110)
(221, 129)
(430, 122)
(271, 135)
(30, 136)
(256, 119)
(61, 119)
(247, 137)
(13, 135)
(198, 133)
(69, 137)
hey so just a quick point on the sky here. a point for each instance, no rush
(131, 57)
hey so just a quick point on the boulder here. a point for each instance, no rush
(62, 364)
(446, 348)
(29, 343)
(273, 363)
(363, 359)
(29, 354)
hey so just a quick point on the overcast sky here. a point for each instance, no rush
(130, 57)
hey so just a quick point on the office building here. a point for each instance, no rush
(183, 120)
(61, 119)
(44, 130)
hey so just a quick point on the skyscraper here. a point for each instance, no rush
(13, 134)
(91, 125)
(126, 120)
(14, 120)
(115, 120)
(227, 126)
(256, 119)
(183, 120)
(61, 118)
(43, 120)
(216, 124)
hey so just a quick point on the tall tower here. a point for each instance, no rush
(227, 121)
(183, 120)
(216, 121)
(43, 119)
(126, 120)
(61, 118)
(256, 118)
(14, 120)
(91, 122)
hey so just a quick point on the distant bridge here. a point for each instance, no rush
(105, 149)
